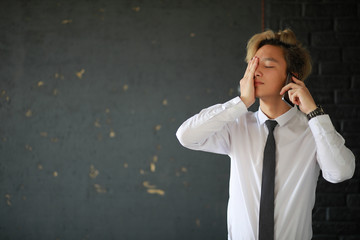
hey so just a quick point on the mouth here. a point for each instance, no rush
(257, 83)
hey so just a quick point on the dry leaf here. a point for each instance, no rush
(66, 21)
(93, 172)
(80, 73)
(99, 188)
(152, 167)
(156, 191)
(28, 113)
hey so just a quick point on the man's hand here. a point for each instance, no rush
(247, 89)
(300, 95)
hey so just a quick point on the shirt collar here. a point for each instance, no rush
(281, 120)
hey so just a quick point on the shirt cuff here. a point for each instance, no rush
(320, 125)
(235, 107)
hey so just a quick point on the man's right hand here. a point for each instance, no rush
(247, 89)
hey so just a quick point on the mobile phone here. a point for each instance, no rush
(285, 97)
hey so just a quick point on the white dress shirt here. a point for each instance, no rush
(302, 148)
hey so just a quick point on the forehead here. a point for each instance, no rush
(271, 53)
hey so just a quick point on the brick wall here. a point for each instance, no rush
(331, 31)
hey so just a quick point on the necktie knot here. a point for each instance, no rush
(271, 124)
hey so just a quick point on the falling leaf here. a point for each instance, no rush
(80, 73)
(158, 127)
(55, 174)
(28, 113)
(183, 169)
(93, 172)
(142, 172)
(102, 10)
(197, 222)
(126, 165)
(40, 83)
(156, 191)
(152, 167)
(28, 147)
(136, 9)
(97, 123)
(55, 92)
(112, 133)
(165, 102)
(148, 185)
(8, 199)
(107, 110)
(43, 134)
(192, 34)
(155, 158)
(54, 140)
(66, 21)
(40, 167)
(99, 188)
(125, 87)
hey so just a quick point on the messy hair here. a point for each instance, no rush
(298, 60)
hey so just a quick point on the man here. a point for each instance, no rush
(303, 141)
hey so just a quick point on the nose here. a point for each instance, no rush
(258, 72)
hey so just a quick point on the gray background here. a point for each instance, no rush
(92, 93)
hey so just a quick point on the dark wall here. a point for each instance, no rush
(331, 31)
(91, 95)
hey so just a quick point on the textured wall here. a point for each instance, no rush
(331, 31)
(91, 94)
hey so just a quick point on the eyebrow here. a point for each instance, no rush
(270, 59)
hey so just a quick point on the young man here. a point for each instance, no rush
(272, 199)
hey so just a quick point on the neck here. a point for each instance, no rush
(273, 108)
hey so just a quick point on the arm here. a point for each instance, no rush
(208, 130)
(336, 161)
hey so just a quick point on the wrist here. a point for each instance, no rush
(316, 112)
(247, 102)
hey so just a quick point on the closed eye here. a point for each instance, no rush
(269, 66)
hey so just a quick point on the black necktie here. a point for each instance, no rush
(266, 215)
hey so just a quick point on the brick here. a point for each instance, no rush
(284, 10)
(352, 140)
(349, 39)
(325, 53)
(355, 83)
(342, 214)
(330, 10)
(328, 82)
(355, 237)
(343, 111)
(319, 214)
(347, 24)
(353, 201)
(336, 227)
(347, 97)
(308, 24)
(324, 237)
(324, 39)
(351, 54)
(337, 68)
(323, 96)
(333, 39)
(330, 199)
(351, 126)
(349, 186)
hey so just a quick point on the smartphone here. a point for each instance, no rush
(285, 97)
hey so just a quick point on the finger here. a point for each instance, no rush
(297, 81)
